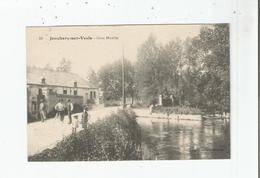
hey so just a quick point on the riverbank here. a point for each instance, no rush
(115, 137)
(145, 113)
(45, 135)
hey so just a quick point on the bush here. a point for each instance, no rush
(108, 103)
(139, 104)
(116, 137)
(177, 110)
(167, 102)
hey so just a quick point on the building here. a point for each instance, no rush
(52, 85)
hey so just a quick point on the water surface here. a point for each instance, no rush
(178, 140)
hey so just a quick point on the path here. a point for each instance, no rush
(46, 135)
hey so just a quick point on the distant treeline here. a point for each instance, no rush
(193, 72)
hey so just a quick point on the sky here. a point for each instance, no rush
(94, 46)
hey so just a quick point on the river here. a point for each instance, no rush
(184, 140)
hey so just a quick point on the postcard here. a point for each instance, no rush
(128, 92)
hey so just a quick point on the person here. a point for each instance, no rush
(151, 108)
(59, 107)
(42, 110)
(85, 117)
(70, 109)
(75, 124)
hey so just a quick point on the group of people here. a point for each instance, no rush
(61, 109)
(60, 113)
(84, 120)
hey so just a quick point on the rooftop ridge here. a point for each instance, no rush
(35, 74)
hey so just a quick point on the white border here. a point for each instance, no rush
(16, 15)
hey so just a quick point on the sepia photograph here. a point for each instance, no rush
(128, 92)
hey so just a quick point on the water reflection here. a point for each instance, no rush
(175, 140)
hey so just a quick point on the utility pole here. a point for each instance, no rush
(123, 81)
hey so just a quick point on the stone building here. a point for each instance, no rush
(53, 85)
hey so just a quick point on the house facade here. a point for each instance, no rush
(53, 85)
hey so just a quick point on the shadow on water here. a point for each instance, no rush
(181, 140)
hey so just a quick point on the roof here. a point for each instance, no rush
(35, 76)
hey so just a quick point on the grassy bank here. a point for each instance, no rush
(116, 137)
(176, 110)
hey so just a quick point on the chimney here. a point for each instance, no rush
(43, 81)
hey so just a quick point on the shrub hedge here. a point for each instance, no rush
(116, 137)
(176, 110)
(108, 103)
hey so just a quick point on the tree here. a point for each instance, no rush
(196, 71)
(92, 77)
(174, 56)
(192, 73)
(64, 65)
(147, 71)
(215, 44)
(158, 69)
(48, 67)
(110, 77)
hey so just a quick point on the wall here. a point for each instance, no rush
(86, 93)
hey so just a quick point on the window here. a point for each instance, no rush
(43, 80)
(91, 95)
(75, 84)
(75, 92)
(64, 91)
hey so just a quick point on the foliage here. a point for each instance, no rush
(64, 65)
(110, 77)
(194, 71)
(108, 103)
(215, 43)
(177, 110)
(148, 73)
(139, 104)
(92, 77)
(116, 137)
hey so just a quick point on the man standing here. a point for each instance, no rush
(70, 109)
(59, 107)
(42, 109)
